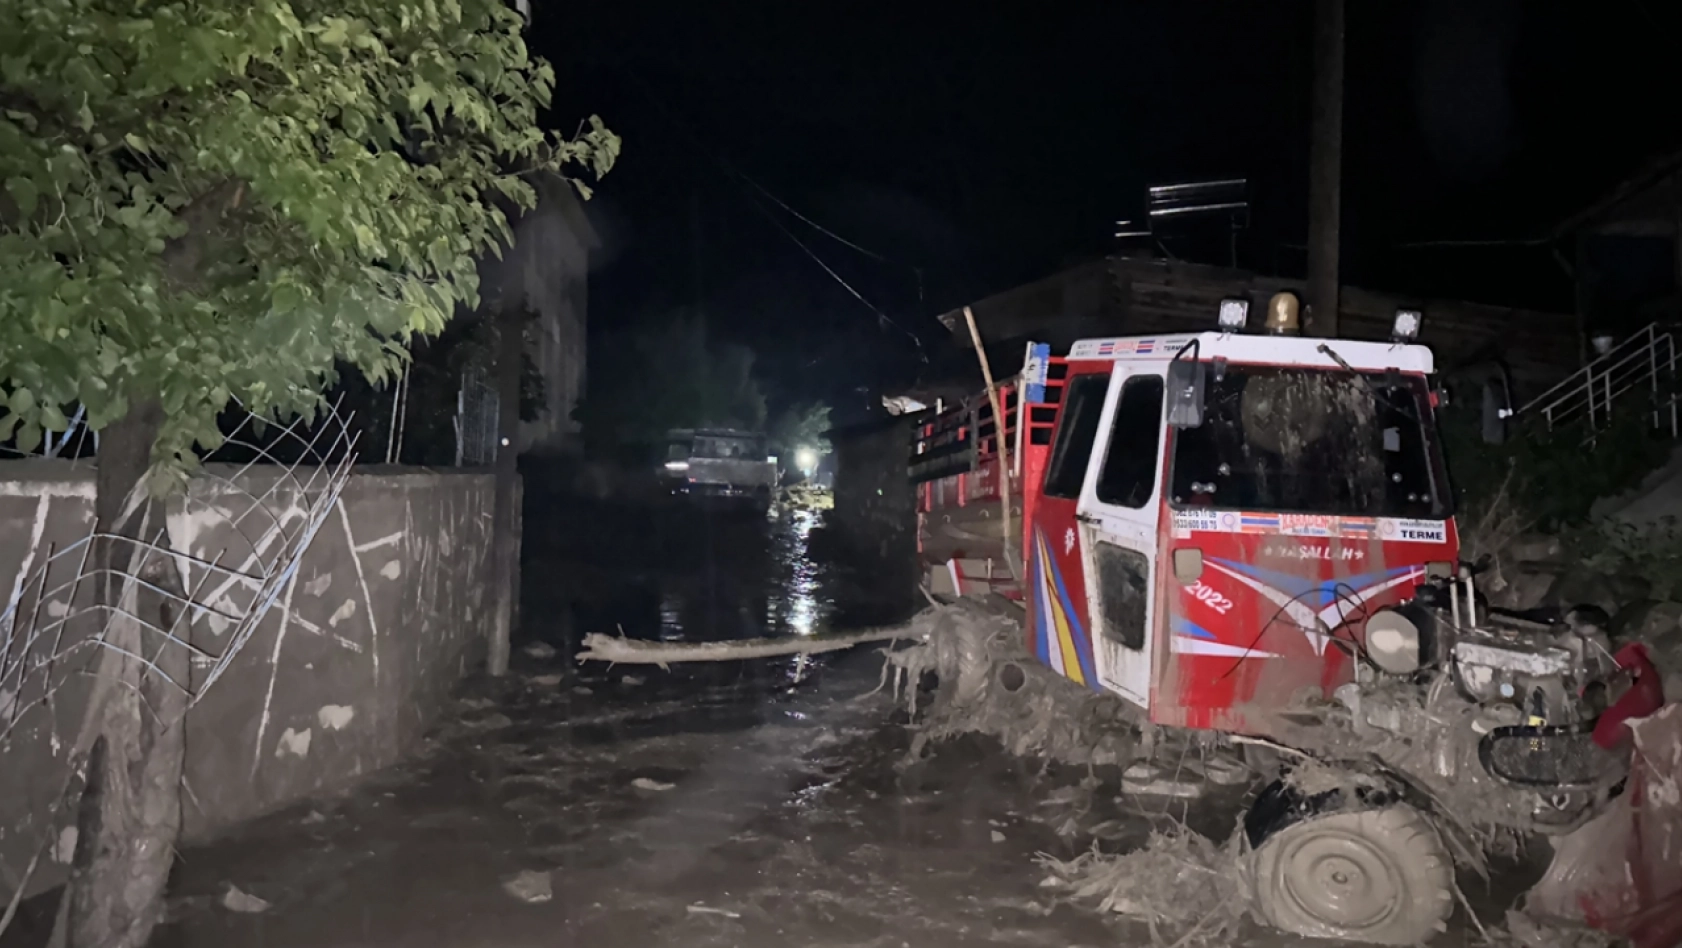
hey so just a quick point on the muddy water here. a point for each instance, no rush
(726, 805)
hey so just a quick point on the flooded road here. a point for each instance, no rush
(762, 804)
(723, 804)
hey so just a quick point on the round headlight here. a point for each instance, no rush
(1393, 642)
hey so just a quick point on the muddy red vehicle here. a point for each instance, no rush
(1251, 538)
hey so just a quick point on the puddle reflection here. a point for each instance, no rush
(715, 580)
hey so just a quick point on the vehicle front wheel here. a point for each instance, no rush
(1377, 876)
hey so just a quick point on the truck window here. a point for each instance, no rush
(1129, 475)
(1083, 402)
(1123, 584)
(1312, 441)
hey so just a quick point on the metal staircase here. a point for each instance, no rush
(1637, 374)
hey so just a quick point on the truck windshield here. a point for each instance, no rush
(727, 448)
(1312, 441)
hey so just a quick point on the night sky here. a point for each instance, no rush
(967, 149)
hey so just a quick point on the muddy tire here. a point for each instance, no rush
(1376, 876)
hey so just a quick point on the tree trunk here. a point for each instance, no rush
(510, 351)
(1325, 183)
(133, 736)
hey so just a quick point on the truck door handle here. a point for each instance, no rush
(1087, 519)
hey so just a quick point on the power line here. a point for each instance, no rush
(916, 270)
(814, 224)
(882, 318)
(833, 235)
(741, 178)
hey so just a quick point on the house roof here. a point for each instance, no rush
(1633, 201)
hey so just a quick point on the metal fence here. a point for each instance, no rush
(1638, 374)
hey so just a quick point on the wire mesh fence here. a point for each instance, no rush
(73, 614)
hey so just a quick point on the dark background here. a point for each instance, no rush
(971, 148)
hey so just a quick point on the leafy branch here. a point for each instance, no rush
(209, 201)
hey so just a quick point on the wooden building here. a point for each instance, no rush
(1140, 296)
(1625, 250)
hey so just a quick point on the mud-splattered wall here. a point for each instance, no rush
(388, 608)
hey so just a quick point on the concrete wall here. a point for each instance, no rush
(387, 610)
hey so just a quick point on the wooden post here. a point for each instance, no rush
(1325, 174)
(999, 434)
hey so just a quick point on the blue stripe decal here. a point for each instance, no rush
(1083, 646)
(1188, 627)
(1311, 590)
(1042, 646)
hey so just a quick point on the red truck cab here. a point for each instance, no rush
(1206, 520)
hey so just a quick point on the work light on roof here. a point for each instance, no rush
(1406, 326)
(1235, 314)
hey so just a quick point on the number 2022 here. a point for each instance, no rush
(1210, 598)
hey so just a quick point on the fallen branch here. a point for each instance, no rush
(622, 651)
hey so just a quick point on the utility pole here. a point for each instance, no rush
(505, 513)
(1325, 174)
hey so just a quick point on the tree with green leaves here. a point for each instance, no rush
(210, 201)
(673, 375)
(800, 425)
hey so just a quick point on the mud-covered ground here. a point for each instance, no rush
(724, 805)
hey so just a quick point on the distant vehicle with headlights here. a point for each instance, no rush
(721, 464)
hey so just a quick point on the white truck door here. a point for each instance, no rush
(1119, 510)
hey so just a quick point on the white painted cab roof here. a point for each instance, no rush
(1239, 348)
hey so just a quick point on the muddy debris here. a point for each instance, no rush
(542, 651)
(533, 888)
(807, 497)
(1311, 777)
(710, 910)
(989, 684)
(1180, 883)
(1521, 930)
(1067, 809)
(235, 900)
(490, 722)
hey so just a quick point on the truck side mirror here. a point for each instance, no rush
(1187, 380)
(1496, 410)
